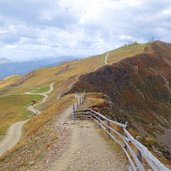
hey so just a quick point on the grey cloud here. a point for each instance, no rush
(63, 27)
(33, 12)
(9, 39)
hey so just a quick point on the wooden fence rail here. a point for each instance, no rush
(124, 139)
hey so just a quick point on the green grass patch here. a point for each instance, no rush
(13, 109)
(41, 89)
(125, 51)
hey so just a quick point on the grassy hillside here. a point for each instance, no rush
(66, 74)
(40, 139)
(121, 83)
(13, 109)
(125, 52)
(139, 91)
(42, 89)
(9, 81)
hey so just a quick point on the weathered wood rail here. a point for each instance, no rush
(139, 160)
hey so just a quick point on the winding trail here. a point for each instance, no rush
(45, 97)
(14, 132)
(12, 137)
(106, 58)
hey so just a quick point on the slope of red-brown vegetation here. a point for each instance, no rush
(140, 91)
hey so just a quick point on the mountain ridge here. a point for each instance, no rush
(135, 87)
(132, 101)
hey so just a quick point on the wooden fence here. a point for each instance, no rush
(138, 160)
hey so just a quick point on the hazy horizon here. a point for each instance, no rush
(39, 58)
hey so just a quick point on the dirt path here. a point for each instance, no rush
(45, 97)
(106, 58)
(12, 137)
(14, 132)
(86, 149)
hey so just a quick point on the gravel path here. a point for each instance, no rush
(85, 149)
(106, 58)
(88, 151)
(12, 137)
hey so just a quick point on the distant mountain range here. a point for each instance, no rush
(4, 60)
(8, 67)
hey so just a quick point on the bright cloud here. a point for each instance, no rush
(54, 28)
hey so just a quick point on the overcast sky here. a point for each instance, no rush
(54, 28)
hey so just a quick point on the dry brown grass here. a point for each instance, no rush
(13, 109)
(97, 100)
(39, 133)
(59, 74)
(125, 52)
(9, 81)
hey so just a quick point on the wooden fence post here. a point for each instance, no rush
(139, 155)
(126, 123)
(73, 113)
(84, 96)
(108, 123)
(91, 115)
(77, 104)
(99, 121)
